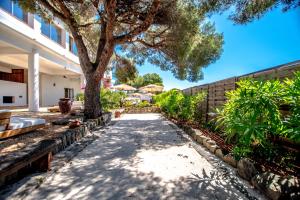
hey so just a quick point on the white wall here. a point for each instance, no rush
(18, 90)
(51, 94)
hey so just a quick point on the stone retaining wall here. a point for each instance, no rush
(273, 186)
(24, 161)
(136, 110)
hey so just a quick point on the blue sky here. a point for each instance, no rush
(272, 40)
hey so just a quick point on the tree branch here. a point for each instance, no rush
(143, 27)
(73, 26)
(53, 10)
(105, 48)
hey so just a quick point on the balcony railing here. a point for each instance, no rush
(14, 9)
(49, 30)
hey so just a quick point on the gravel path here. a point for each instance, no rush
(140, 157)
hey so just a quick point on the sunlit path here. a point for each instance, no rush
(139, 157)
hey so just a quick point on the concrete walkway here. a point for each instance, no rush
(139, 157)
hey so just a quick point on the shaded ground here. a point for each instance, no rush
(139, 157)
(17, 143)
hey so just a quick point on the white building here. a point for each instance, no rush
(38, 61)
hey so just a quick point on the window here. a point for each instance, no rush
(51, 31)
(19, 13)
(55, 33)
(6, 5)
(72, 46)
(14, 9)
(8, 99)
(69, 93)
(45, 28)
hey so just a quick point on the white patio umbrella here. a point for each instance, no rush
(152, 88)
(124, 87)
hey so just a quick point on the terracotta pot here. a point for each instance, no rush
(65, 105)
(117, 114)
(74, 124)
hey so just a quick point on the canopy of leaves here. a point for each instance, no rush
(147, 79)
(244, 11)
(152, 78)
(172, 34)
(125, 70)
(184, 45)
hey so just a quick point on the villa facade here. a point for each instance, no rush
(38, 60)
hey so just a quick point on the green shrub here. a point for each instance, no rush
(80, 97)
(251, 114)
(143, 104)
(178, 105)
(292, 98)
(111, 99)
(128, 104)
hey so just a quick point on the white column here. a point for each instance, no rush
(33, 81)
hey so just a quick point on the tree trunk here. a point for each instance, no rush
(92, 104)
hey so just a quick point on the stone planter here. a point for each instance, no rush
(65, 105)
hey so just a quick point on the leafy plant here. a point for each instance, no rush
(178, 105)
(80, 97)
(111, 99)
(128, 104)
(143, 104)
(292, 124)
(251, 114)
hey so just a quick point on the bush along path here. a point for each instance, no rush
(271, 185)
(142, 157)
(257, 130)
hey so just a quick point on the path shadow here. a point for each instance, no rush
(106, 169)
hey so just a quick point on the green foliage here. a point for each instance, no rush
(293, 99)
(80, 97)
(244, 11)
(150, 78)
(143, 104)
(171, 34)
(178, 105)
(125, 70)
(128, 104)
(187, 42)
(111, 99)
(251, 113)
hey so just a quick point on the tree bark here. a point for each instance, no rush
(92, 103)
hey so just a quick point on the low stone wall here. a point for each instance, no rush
(29, 159)
(273, 186)
(137, 110)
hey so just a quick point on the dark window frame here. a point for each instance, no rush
(69, 93)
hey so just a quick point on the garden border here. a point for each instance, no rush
(271, 185)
